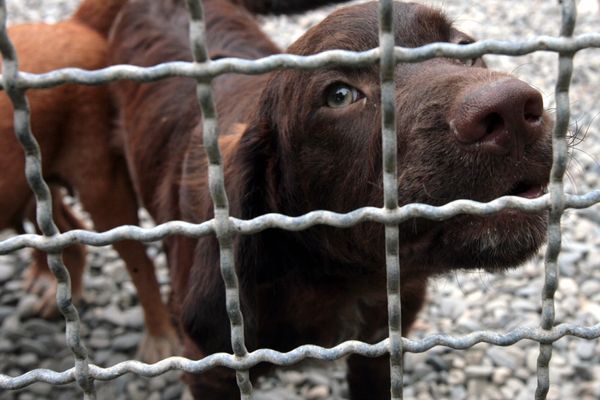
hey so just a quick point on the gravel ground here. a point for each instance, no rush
(458, 303)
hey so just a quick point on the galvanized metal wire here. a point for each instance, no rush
(557, 194)
(326, 58)
(299, 223)
(390, 192)
(33, 172)
(216, 183)
(15, 83)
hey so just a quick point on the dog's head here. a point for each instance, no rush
(464, 132)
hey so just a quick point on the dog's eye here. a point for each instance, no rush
(341, 95)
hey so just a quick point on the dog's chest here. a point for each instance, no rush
(325, 313)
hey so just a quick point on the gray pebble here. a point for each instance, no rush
(102, 357)
(453, 308)
(523, 305)
(318, 392)
(567, 263)
(7, 272)
(515, 385)
(528, 291)
(506, 392)
(116, 358)
(14, 285)
(5, 311)
(157, 384)
(9, 298)
(584, 373)
(134, 318)
(113, 315)
(99, 298)
(99, 343)
(291, 377)
(277, 394)
(590, 287)
(28, 306)
(458, 393)
(586, 349)
(479, 371)
(173, 377)
(317, 377)
(99, 339)
(501, 375)
(154, 396)
(593, 310)
(456, 377)
(504, 357)
(27, 360)
(126, 342)
(469, 325)
(5, 345)
(590, 214)
(11, 327)
(437, 363)
(523, 374)
(576, 247)
(474, 357)
(559, 361)
(420, 371)
(568, 286)
(459, 363)
(42, 347)
(135, 391)
(173, 392)
(38, 326)
(42, 389)
(475, 388)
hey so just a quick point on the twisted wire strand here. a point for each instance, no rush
(43, 201)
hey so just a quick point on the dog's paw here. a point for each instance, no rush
(154, 348)
(40, 281)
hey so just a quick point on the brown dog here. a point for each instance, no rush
(73, 125)
(295, 141)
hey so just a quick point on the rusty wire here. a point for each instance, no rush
(15, 83)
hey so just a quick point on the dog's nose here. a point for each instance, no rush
(499, 118)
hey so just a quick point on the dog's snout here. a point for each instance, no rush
(498, 118)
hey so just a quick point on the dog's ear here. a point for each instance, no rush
(250, 179)
(204, 313)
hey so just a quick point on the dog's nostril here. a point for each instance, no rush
(533, 110)
(493, 122)
(532, 119)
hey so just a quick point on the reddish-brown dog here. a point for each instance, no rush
(295, 141)
(73, 126)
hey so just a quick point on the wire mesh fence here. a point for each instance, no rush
(16, 83)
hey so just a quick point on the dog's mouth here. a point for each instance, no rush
(529, 190)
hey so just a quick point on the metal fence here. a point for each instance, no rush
(224, 226)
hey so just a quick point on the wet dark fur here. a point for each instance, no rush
(285, 152)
